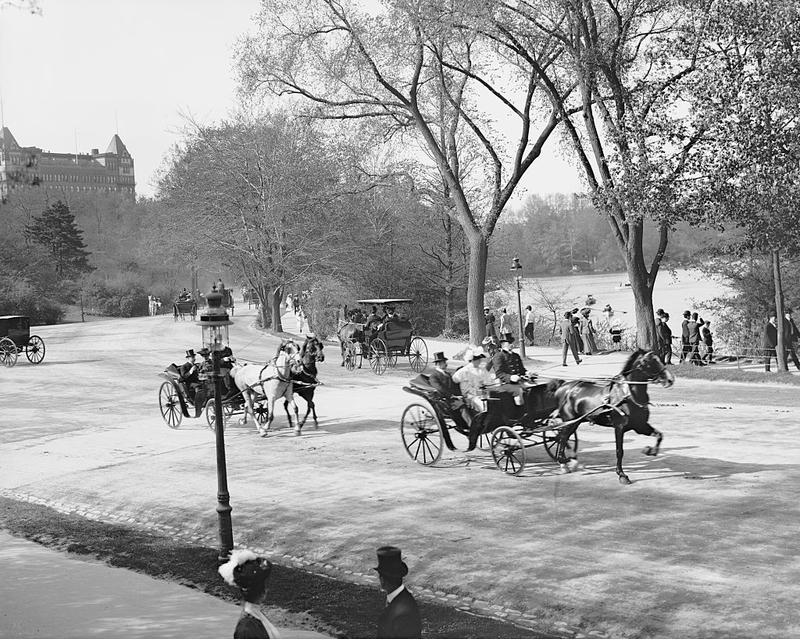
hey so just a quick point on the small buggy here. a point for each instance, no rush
(15, 337)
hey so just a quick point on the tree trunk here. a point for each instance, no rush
(276, 302)
(780, 351)
(478, 257)
(642, 289)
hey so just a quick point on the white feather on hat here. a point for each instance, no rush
(237, 558)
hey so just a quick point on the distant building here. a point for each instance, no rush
(95, 172)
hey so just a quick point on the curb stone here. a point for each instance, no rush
(465, 603)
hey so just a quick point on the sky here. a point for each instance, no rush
(84, 70)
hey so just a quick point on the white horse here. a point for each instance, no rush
(269, 382)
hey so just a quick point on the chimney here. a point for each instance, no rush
(95, 152)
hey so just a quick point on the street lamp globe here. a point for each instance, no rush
(214, 322)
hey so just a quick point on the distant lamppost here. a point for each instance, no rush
(214, 323)
(516, 268)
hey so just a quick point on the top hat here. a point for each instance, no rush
(204, 351)
(485, 308)
(390, 563)
(190, 353)
(507, 338)
(439, 357)
(788, 311)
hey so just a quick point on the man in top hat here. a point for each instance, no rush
(189, 369)
(508, 368)
(400, 619)
(440, 380)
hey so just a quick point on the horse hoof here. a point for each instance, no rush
(242, 421)
(623, 479)
(564, 469)
(650, 451)
(263, 433)
(573, 465)
(297, 432)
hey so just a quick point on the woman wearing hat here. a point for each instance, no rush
(250, 573)
(473, 380)
(400, 618)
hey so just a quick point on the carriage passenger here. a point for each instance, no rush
(440, 380)
(508, 368)
(473, 380)
(189, 370)
(373, 319)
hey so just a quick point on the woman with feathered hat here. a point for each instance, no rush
(250, 573)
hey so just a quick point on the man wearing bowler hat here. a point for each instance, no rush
(400, 619)
(440, 380)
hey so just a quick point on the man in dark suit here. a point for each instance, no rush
(770, 339)
(440, 380)
(790, 336)
(400, 619)
(685, 348)
(509, 369)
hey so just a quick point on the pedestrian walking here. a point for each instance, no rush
(400, 618)
(770, 340)
(488, 317)
(587, 332)
(250, 573)
(687, 315)
(666, 339)
(693, 338)
(529, 325)
(708, 340)
(790, 336)
(568, 341)
(505, 325)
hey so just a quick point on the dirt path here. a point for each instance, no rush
(701, 545)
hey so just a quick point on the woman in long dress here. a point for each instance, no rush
(587, 332)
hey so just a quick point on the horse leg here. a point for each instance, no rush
(619, 435)
(289, 399)
(567, 464)
(654, 450)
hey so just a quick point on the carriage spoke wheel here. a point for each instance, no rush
(418, 354)
(261, 412)
(170, 405)
(391, 359)
(379, 356)
(422, 437)
(8, 352)
(551, 437)
(35, 350)
(508, 450)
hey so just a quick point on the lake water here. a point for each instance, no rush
(674, 293)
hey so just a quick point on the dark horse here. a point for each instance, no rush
(621, 404)
(304, 381)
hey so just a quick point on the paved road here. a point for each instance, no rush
(665, 557)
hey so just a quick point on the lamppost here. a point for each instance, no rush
(516, 268)
(214, 323)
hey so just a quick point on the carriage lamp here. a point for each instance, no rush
(516, 268)
(214, 322)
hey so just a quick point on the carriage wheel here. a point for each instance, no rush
(170, 405)
(35, 349)
(485, 441)
(379, 356)
(261, 412)
(391, 359)
(418, 354)
(550, 438)
(8, 352)
(508, 450)
(422, 436)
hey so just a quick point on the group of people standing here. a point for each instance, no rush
(505, 329)
(790, 335)
(577, 334)
(694, 331)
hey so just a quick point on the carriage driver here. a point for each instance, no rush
(508, 368)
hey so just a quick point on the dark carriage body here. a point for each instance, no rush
(15, 338)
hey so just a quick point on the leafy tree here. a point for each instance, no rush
(428, 72)
(55, 229)
(749, 177)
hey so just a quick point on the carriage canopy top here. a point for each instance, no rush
(388, 301)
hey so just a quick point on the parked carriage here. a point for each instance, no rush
(253, 298)
(508, 429)
(15, 338)
(384, 342)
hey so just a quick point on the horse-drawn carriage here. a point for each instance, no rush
(550, 416)
(15, 337)
(506, 428)
(183, 307)
(255, 387)
(252, 298)
(382, 339)
(227, 299)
